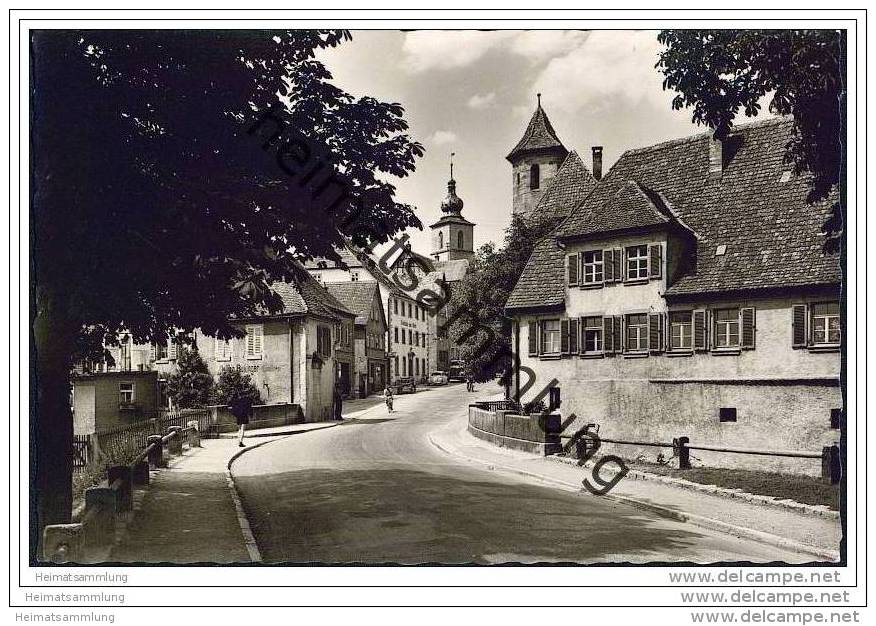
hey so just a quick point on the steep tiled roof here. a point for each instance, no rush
(538, 285)
(773, 237)
(322, 263)
(306, 295)
(569, 186)
(539, 137)
(356, 296)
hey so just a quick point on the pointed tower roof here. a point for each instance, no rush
(540, 136)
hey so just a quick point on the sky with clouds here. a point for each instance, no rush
(473, 92)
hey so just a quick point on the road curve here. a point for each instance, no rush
(375, 490)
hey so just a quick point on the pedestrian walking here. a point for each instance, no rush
(469, 383)
(338, 402)
(387, 397)
(241, 409)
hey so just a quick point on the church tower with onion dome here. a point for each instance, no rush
(534, 162)
(452, 235)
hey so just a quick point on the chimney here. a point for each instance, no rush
(716, 156)
(597, 162)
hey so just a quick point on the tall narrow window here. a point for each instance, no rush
(125, 353)
(593, 335)
(254, 334)
(550, 337)
(680, 331)
(440, 240)
(637, 262)
(222, 349)
(826, 324)
(727, 328)
(460, 241)
(534, 176)
(637, 332)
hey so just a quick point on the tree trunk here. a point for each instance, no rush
(53, 338)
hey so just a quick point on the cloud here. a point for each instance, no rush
(482, 101)
(540, 45)
(444, 50)
(442, 137)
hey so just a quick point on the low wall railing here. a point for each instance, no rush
(91, 537)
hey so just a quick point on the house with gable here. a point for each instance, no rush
(688, 293)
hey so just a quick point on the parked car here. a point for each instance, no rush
(404, 385)
(438, 378)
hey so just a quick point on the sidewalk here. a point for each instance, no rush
(190, 512)
(815, 535)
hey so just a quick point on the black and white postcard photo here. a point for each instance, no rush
(343, 309)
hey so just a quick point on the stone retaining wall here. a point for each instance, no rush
(538, 434)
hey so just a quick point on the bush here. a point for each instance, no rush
(234, 384)
(191, 385)
(537, 406)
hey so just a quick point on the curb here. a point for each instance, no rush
(697, 520)
(249, 539)
(791, 505)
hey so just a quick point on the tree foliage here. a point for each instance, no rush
(722, 72)
(491, 276)
(191, 384)
(163, 197)
(233, 385)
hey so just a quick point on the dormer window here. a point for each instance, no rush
(534, 176)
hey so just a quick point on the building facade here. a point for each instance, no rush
(689, 295)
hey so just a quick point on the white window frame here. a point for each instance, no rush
(826, 317)
(642, 271)
(722, 330)
(133, 393)
(221, 349)
(551, 340)
(592, 272)
(354, 276)
(685, 332)
(255, 350)
(641, 335)
(596, 331)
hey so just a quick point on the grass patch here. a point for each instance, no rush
(804, 489)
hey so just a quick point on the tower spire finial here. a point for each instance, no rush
(452, 154)
(538, 95)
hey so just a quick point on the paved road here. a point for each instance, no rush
(375, 490)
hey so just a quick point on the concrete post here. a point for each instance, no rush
(682, 452)
(194, 435)
(63, 543)
(156, 453)
(140, 473)
(831, 468)
(126, 493)
(174, 444)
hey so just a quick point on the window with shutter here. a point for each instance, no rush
(608, 265)
(655, 332)
(172, 348)
(254, 341)
(825, 327)
(798, 326)
(572, 268)
(701, 330)
(656, 253)
(564, 336)
(608, 334)
(592, 335)
(152, 351)
(746, 316)
(550, 337)
(618, 333)
(573, 336)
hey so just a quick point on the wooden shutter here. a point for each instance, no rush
(622, 261)
(608, 265)
(619, 333)
(153, 350)
(573, 335)
(617, 259)
(799, 315)
(655, 254)
(533, 338)
(564, 336)
(572, 265)
(655, 332)
(747, 324)
(700, 330)
(171, 348)
(608, 334)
